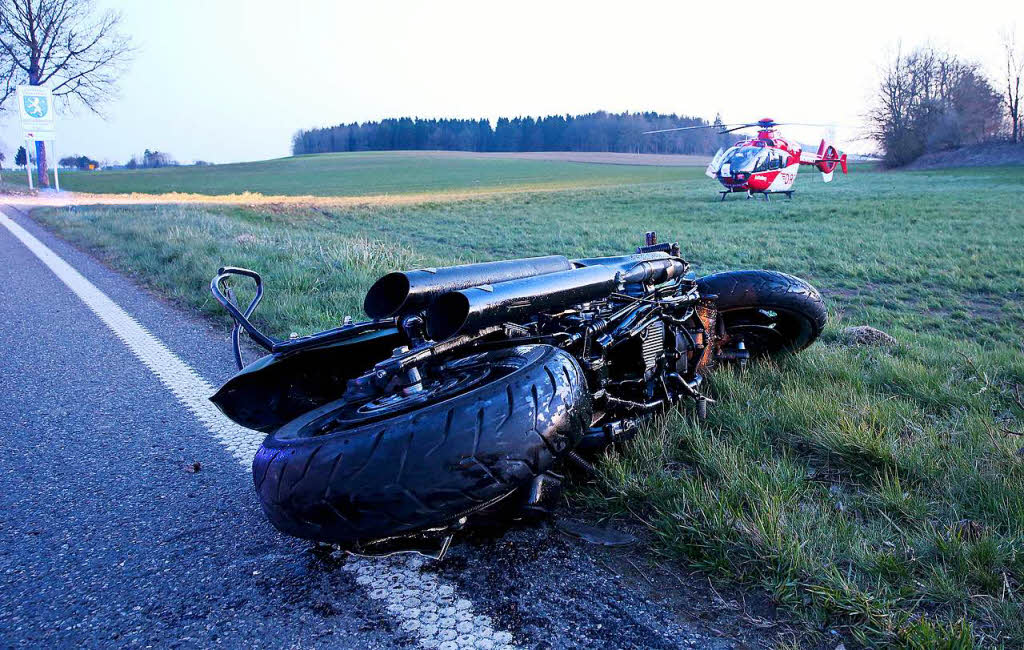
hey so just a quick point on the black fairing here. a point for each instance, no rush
(279, 387)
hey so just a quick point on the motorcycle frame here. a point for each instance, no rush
(606, 323)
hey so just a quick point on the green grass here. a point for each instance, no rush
(362, 174)
(869, 490)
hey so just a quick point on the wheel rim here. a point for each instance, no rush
(352, 414)
(767, 331)
(449, 381)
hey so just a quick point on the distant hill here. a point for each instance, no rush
(975, 155)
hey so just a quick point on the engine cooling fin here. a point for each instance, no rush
(654, 344)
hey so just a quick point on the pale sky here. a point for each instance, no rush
(231, 80)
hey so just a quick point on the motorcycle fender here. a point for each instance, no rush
(279, 387)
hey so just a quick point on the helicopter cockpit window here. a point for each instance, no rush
(762, 163)
(729, 152)
(744, 159)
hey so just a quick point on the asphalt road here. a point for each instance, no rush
(108, 539)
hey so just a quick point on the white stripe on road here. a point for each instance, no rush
(427, 608)
(191, 390)
(430, 609)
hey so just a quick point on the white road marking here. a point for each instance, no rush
(429, 610)
(191, 390)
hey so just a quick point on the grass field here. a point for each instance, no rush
(362, 174)
(874, 491)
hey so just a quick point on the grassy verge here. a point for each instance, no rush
(877, 491)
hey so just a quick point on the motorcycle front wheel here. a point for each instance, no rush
(481, 428)
(771, 312)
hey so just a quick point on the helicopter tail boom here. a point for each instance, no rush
(827, 158)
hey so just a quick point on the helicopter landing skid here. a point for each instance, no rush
(764, 193)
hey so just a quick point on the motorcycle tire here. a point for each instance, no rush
(350, 480)
(773, 312)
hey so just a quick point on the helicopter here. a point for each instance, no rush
(768, 163)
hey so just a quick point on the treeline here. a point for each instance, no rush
(601, 131)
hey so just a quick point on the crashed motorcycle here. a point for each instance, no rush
(473, 386)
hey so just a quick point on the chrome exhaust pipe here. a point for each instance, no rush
(475, 308)
(408, 291)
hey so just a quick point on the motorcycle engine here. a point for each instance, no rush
(637, 359)
(653, 345)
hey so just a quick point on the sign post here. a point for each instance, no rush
(38, 121)
(56, 165)
(28, 162)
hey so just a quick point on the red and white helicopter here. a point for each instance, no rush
(766, 164)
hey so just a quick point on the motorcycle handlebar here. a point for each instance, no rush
(241, 319)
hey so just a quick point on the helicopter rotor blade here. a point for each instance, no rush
(737, 128)
(774, 125)
(689, 128)
(729, 128)
(832, 125)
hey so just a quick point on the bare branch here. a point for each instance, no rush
(65, 45)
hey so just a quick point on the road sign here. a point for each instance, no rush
(38, 121)
(37, 111)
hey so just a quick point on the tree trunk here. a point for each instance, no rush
(42, 177)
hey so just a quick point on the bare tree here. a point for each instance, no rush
(930, 100)
(1014, 73)
(63, 44)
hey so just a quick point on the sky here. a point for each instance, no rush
(232, 80)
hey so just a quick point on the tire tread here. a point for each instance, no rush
(487, 438)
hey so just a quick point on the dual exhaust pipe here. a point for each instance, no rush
(467, 298)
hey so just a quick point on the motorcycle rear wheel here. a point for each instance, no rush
(773, 312)
(352, 474)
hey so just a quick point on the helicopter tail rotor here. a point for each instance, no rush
(827, 159)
